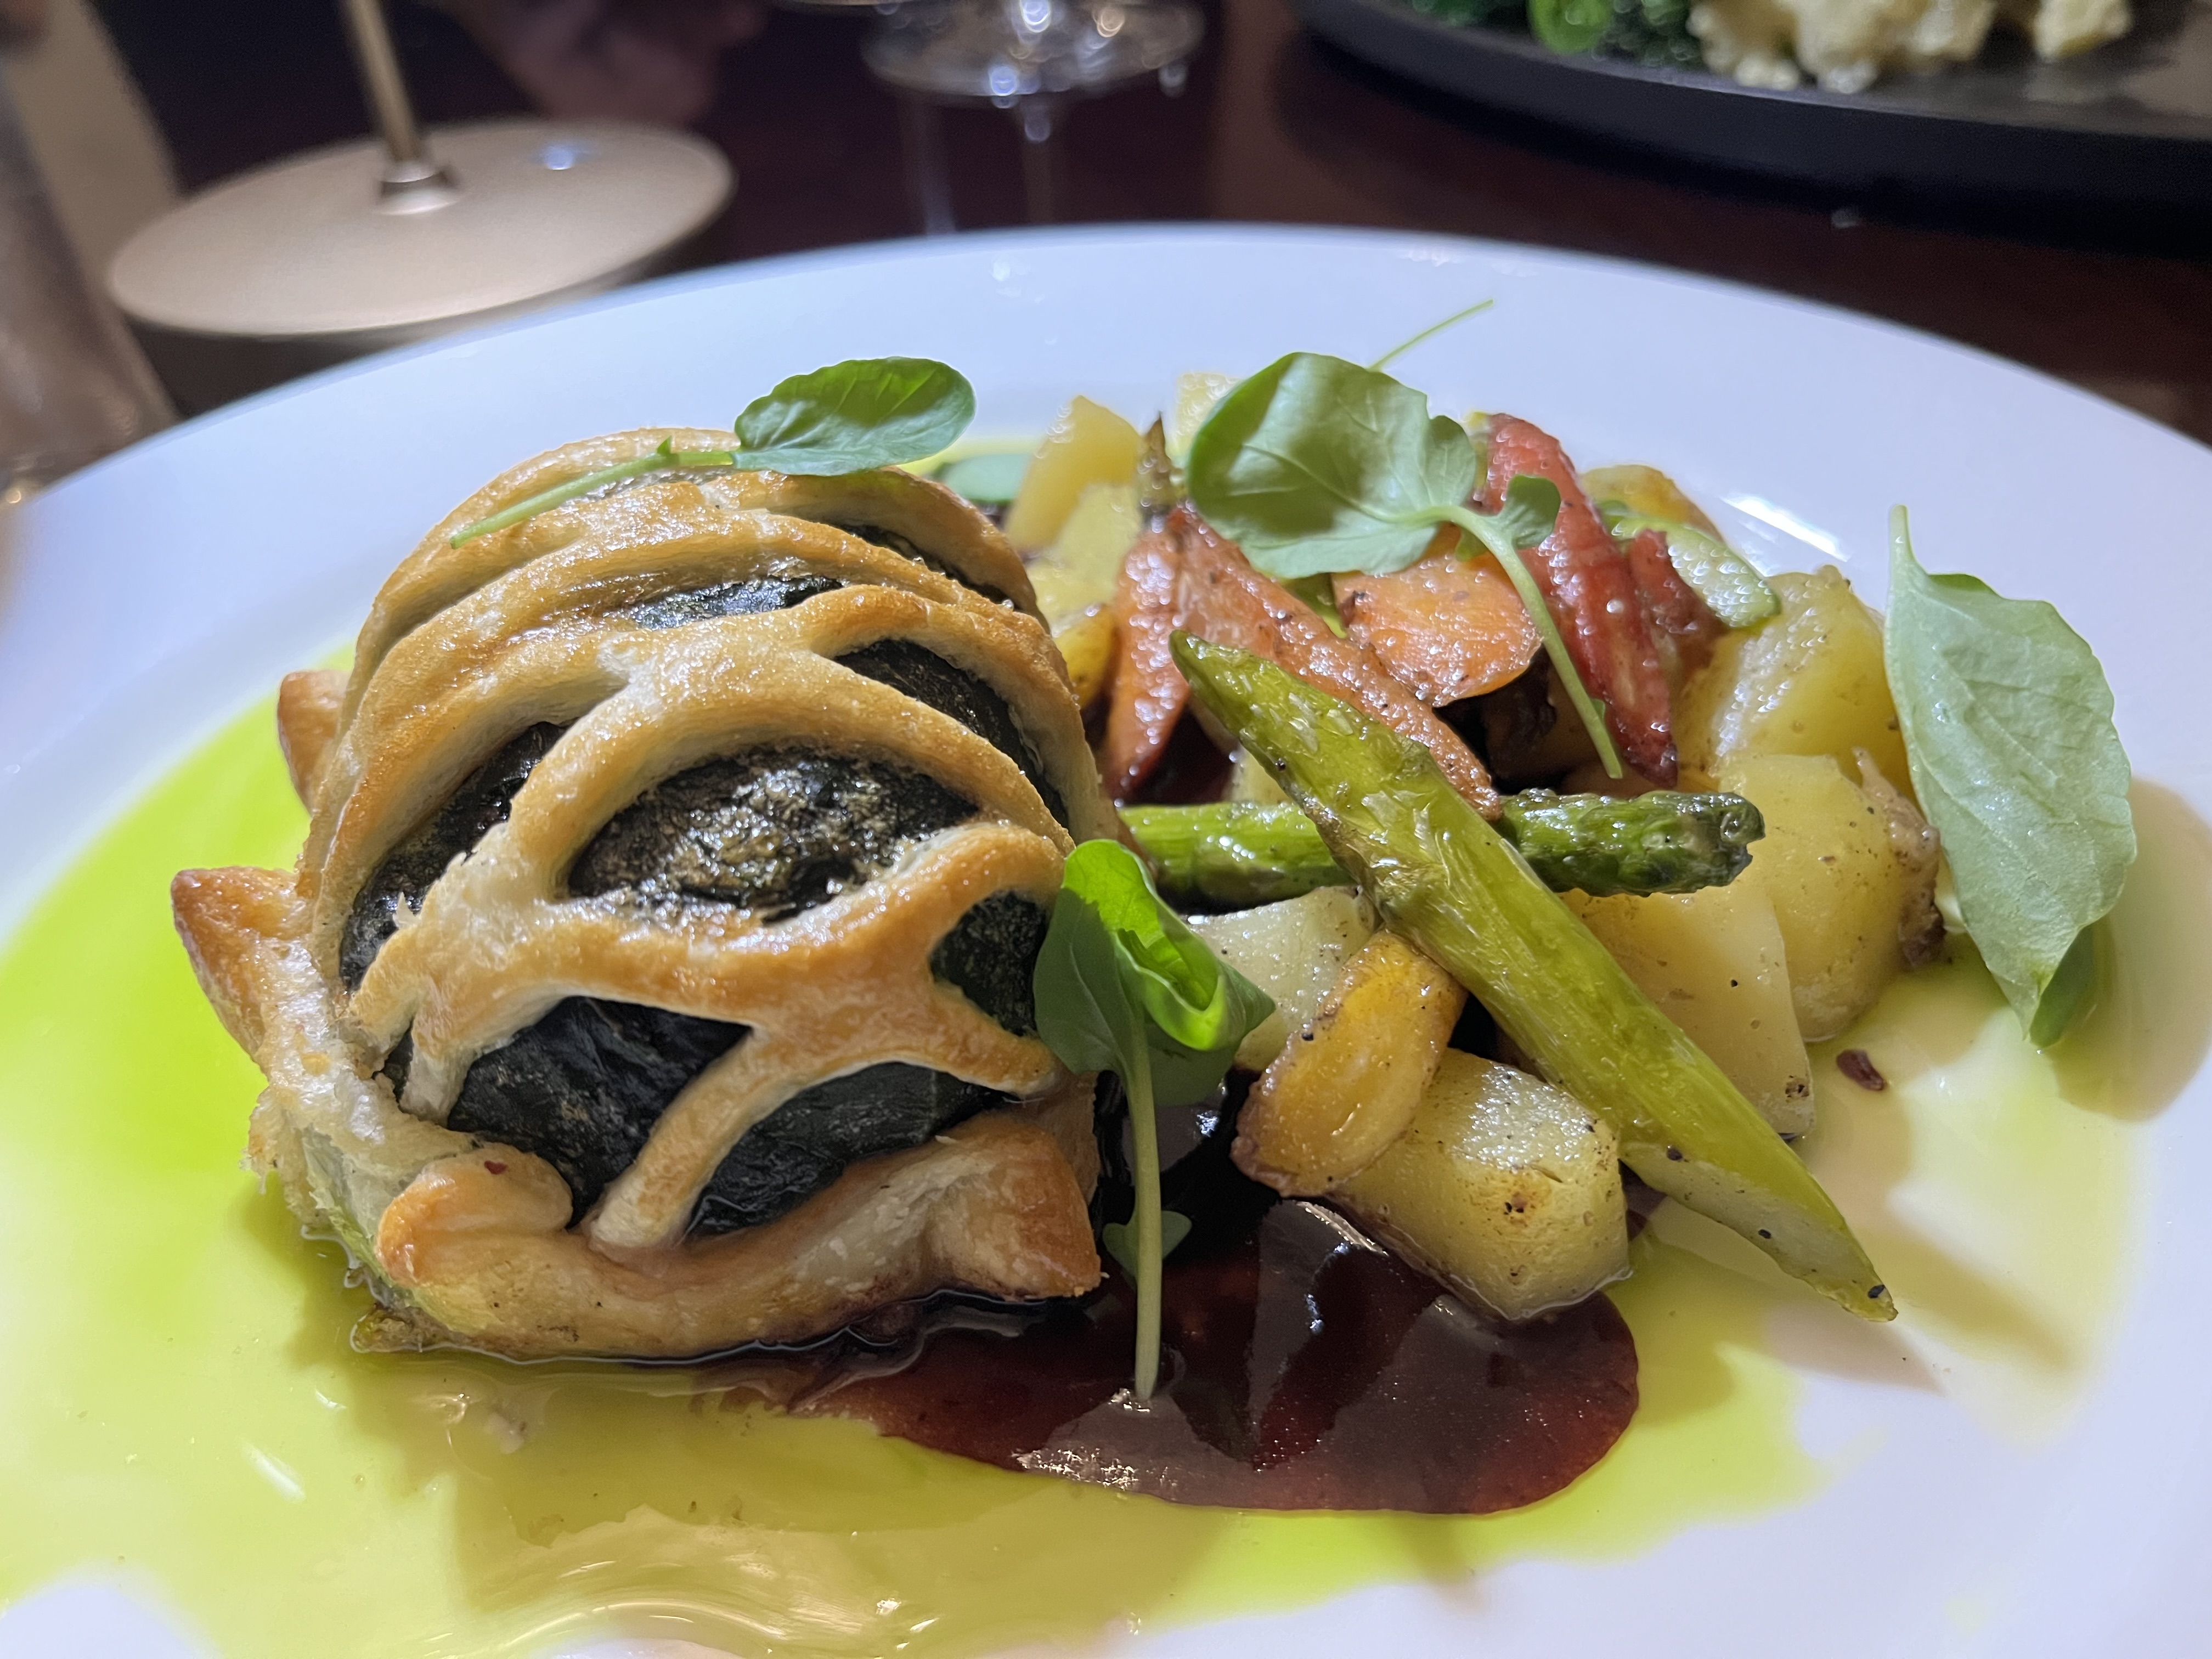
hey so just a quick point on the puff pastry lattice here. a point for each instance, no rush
(654, 975)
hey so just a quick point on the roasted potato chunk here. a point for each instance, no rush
(1503, 1188)
(1843, 888)
(1080, 571)
(1086, 645)
(1294, 950)
(1088, 444)
(1807, 682)
(1348, 1083)
(1714, 963)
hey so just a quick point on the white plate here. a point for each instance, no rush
(151, 597)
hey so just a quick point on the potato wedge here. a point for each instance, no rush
(1503, 1188)
(1840, 885)
(1195, 396)
(1348, 1083)
(1088, 444)
(1294, 950)
(1647, 490)
(1079, 570)
(1714, 962)
(1086, 645)
(1807, 682)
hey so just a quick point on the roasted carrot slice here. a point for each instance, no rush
(1448, 626)
(1148, 689)
(1593, 596)
(1224, 599)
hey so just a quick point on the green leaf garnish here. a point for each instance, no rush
(2007, 724)
(665, 458)
(850, 417)
(1123, 986)
(1730, 588)
(1316, 466)
(855, 417)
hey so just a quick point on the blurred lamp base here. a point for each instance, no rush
(314, 260)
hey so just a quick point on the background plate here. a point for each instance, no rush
(2130, 122)
(152, 597)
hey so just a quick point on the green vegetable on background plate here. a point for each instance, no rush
(1244, 852)
(1445, 880)
(2009, 732)
(848, 418)
(1123, 986)
(1315, 466)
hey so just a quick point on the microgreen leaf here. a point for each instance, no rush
(854, 417)
(1316, 465)
(2007, 724)
(1731, 589)
(1123, 986)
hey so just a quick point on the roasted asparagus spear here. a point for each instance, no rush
(1238, 853)
(1445, 879)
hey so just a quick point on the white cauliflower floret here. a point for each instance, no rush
(2060, 29)
(1845, 44)
(1748, 40)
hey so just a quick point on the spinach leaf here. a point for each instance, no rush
(855, 415)
(1316, 466)
(1731, 589)
(1123, 986)
(2007, 724)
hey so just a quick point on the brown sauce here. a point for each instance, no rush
(1304, 1368)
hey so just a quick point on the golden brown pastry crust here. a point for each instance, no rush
(467, 647)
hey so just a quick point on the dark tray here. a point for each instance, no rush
(2130, 122)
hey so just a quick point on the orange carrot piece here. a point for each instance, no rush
(1449, 628)
(1149, 690)
(1226, 600)
(1593, 597)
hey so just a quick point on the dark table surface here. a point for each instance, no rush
(1272, 126)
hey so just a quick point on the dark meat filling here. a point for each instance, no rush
(991, 955)
(776, 829)
(410, 868)
(583, 1087)
(892, 541)
(748, 598)
(928, 677)
(805, 1143)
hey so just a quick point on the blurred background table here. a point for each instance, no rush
(1269, 125)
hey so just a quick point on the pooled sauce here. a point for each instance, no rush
(1304, 1369)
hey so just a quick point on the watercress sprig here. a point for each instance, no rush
(848, 418)
(2007, 724)
(1316, 466)
(1123, 986)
